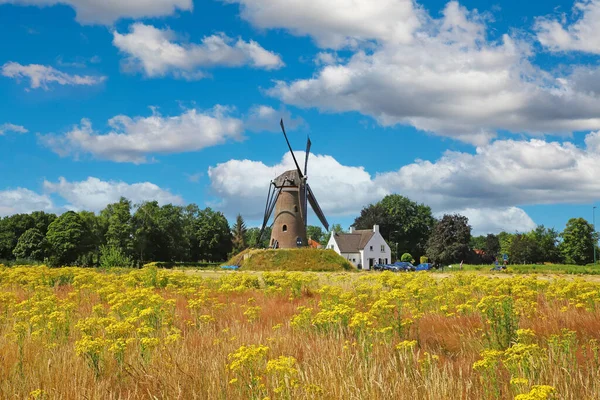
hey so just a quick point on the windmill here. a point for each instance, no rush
(289, 195)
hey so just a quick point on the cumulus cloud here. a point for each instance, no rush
(94, 194)
(487, 186)
(20, 200)
(581, 35)
(133, 139)
(442, 75)
(105, 12)
(336, 24)
(157, 52)
(496, 220)
(4, 128)
(41, 76)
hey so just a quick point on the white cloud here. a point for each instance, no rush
(496, 220)
(42, 76)
(131, 139)
(581, 35)
(443, 75)
(94, 194)
(338, 23)
(157, 52)
(108, 11)
(487, 186)
(4, 128)
(20, 200)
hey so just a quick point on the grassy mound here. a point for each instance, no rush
(305, 259)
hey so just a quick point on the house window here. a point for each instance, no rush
(371, 248)
(284, 228)
(354, 260)
(295, 208)
(383, 248)
(331, 247)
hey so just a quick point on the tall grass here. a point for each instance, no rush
(534, 268)
(75, 333)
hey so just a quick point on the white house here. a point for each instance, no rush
(363, 248)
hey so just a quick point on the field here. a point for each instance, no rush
(123, 334)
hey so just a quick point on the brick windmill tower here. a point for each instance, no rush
(288, 196)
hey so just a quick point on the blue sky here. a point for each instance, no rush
(491, 111)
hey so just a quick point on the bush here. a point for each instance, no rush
(423, 259)
(406, 257)
(112, 256)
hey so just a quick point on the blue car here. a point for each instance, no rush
(230, 267)
(404, 266)
(424, 267)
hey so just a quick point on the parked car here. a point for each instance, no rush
(230, 267)
(424, 267)
(391, 267)
(379, 267)
(404, 266)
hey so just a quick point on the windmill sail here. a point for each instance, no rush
(290, 147)
(316, 208)
(305, 191)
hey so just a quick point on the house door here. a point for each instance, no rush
(371, 261)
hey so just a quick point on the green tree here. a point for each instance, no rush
(450, 240)
(118, 219)
(547, 240)
(406, 257)
(401, 221)
(505, 240)
(578, 240)
(477, 242)
(213, 235)
(146, 231)
(315, 233)
(31, 245)
(173, 242)
(11, 229)
(65, 237)
(492, 245)
(252, 237)
(523, 249)
(239, 235)
(93, 238)
(41, 220)
(112, 256)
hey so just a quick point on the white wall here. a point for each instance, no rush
(352, 256)
(333, 243)
(376, 241)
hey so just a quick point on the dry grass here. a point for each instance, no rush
(355, 343)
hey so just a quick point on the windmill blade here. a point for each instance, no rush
(305, 205)
(305, 200)
(316, 208)
(308, 144)
(290, 147)
(270, 206)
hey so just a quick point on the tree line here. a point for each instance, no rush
(127, 234)
(120, 234)
(411, 228)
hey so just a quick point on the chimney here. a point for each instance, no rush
(351, 229)
(375, 228)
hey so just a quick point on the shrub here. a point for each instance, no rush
(112, 256)
(423, 259)
(406, 257)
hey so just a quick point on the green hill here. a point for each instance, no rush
(304, 259)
